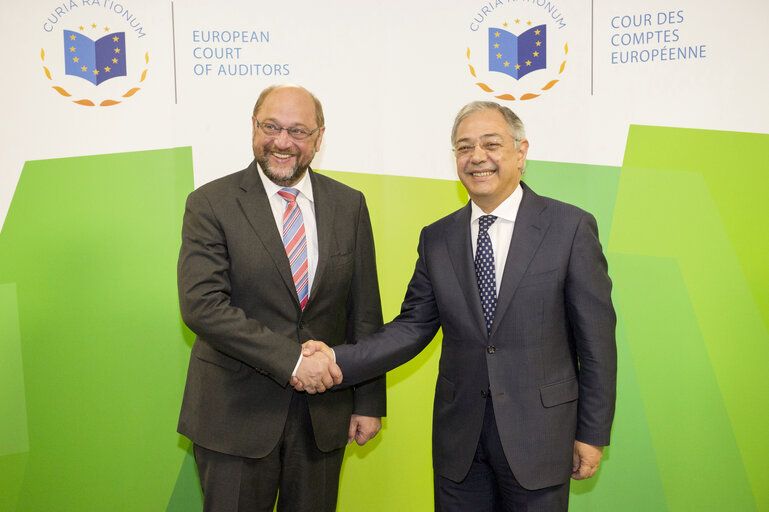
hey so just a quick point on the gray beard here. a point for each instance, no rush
(281, 181)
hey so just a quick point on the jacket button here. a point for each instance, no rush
(301, 325)
(484, 394)
(491, 349)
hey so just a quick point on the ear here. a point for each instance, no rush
(523, 150)
(253, 127)
(320, 138)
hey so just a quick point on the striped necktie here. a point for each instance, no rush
(296, 244)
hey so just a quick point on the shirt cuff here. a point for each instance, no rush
(296, 368)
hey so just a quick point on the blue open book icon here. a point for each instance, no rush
(96, 61)
(518, 56)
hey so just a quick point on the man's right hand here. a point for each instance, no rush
(317, 372)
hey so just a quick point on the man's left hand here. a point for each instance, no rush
(363, 428)
(585, 460)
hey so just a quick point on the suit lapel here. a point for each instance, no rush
(256, 207)
(461, 254)
(530, 229)
(324, 222)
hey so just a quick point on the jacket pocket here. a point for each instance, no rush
(540, 278)
(560, 392)
(210, 355)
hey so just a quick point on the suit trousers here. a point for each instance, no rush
(490, 485)
(303, 478)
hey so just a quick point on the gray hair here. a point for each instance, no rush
(514, 123)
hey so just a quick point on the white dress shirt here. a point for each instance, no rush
(501, 232)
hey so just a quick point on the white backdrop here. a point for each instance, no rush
(391, 76)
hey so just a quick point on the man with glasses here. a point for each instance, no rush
(272, 256)
(526, 387)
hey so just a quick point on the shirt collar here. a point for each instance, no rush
(507, 209)
(304, 186)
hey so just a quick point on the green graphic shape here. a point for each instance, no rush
(87, 276)
(14, 437)
(90, 245)
(696, 298)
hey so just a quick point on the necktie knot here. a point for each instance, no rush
(485, 222)
(289, 194)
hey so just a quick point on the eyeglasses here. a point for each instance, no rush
(465, 149)
(273, 130)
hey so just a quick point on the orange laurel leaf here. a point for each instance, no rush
(485, 87)
(506, 97)
(61, 91)
(131, 92)
(87, 103)
(108, 103)
(472, 71)
(468, 53)
(550, 84)
(566, 48)
(144, 75)
(42, 53)
(563, 65)
(47, 73)
(529, 96)
(147, 58)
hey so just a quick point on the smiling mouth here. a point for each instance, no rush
(281, 156)
(482, 174)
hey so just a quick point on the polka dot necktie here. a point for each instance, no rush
(296, 244)
(484, 270)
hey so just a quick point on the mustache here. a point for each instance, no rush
(274, 149)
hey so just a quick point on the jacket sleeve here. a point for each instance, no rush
(400, 340)
(593, 321)
(205, 298)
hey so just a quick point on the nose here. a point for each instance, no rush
(283, 140)
(478, 155)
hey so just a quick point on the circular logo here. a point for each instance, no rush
(95, 53)
(517, 51)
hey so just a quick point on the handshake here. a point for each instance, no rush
(318, 370)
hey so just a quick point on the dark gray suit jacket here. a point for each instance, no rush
(550, 361)
(237, 295)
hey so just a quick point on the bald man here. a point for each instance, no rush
(272, 256)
